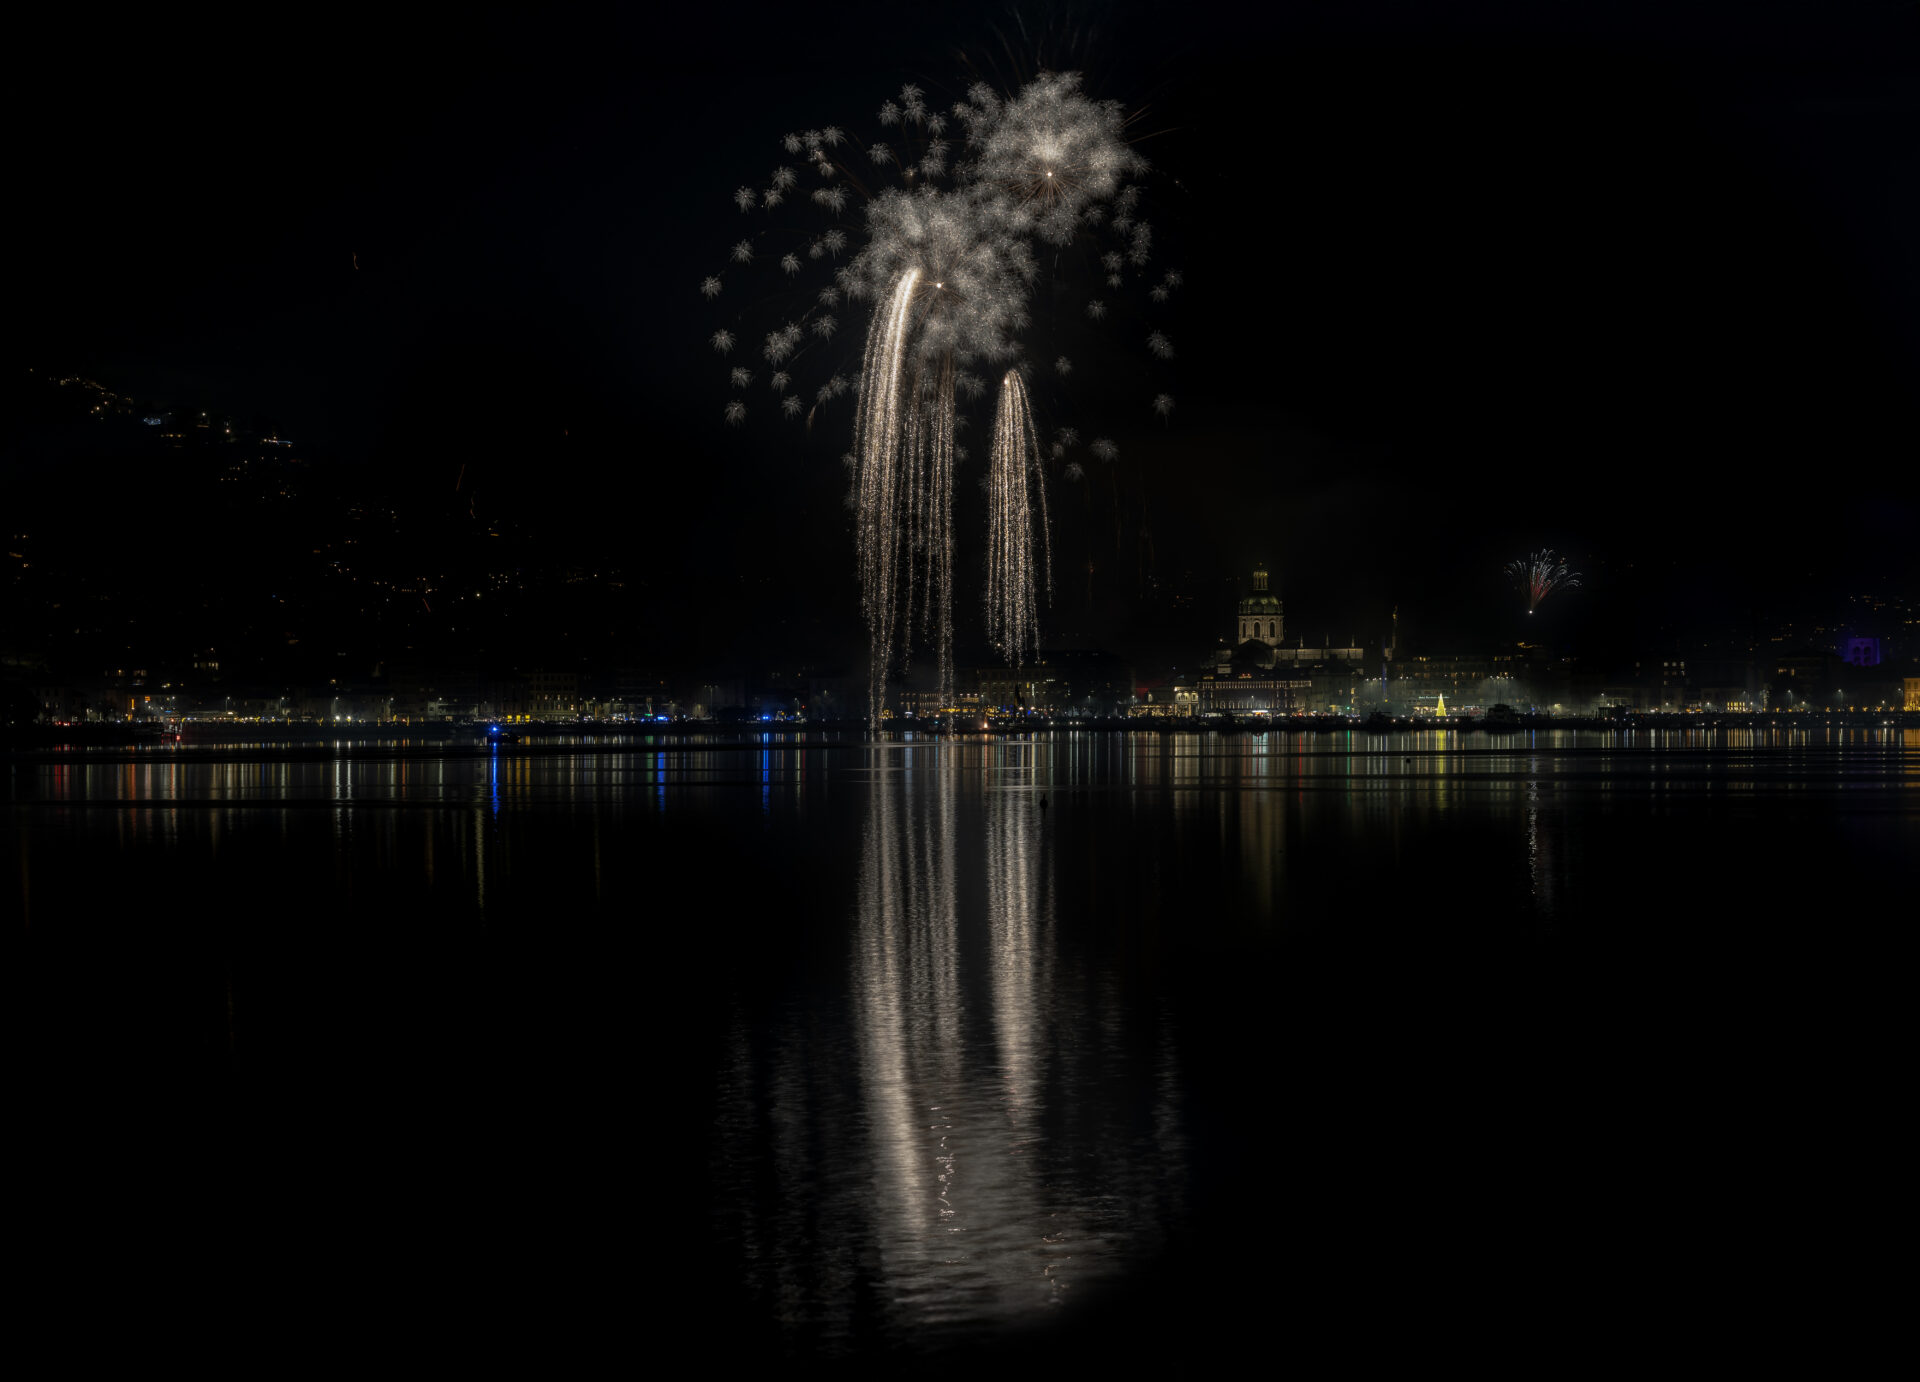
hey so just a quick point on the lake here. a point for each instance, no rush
(1071, 1047)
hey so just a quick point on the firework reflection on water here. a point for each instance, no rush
(951, 1161)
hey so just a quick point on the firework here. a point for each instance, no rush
(1051, 154)
(883, 488)
(944, 261)
(1016, 488)
(1540, 575)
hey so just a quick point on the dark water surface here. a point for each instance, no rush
(1086, 1046)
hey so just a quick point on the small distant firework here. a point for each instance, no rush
(1540, 575)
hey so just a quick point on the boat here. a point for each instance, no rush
(1380, 722)
(497, 735)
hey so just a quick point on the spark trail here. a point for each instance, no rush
(1016, 507)
(883, 486)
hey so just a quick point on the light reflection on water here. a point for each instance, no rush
(530, 774)
(969, 1097)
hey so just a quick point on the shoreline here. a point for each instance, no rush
(41, 738)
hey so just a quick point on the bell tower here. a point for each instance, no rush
(1261, 618)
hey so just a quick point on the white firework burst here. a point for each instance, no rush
(1063, 366)
(782, 343)
(710, 286)
(1104, 449)
(743, 252)
(971, 288)
(721, 341)
(790, 406)
(742, 376)
(1142, 245)
(1097, 309)
(746, 199)
(736, 412)
(1163, 404)
(1158, 343)
(779, 381)
(790, 264)
(1049, 153)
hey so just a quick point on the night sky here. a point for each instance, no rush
(1638, 282)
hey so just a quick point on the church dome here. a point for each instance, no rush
(1260, 612)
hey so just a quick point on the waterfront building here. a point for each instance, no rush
(927, 705)
(1013, 690)
(1258, 674)
(1861, 652)
(1175, 702)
